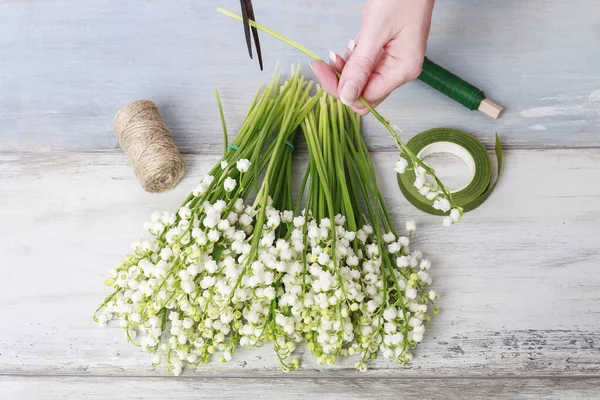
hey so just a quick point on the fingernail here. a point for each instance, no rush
(332, 58)
(311, 67)
(349, 93)
(351, 45)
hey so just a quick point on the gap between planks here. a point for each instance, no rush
(301, 149)
(301, 376)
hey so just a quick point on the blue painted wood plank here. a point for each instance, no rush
(66, 66)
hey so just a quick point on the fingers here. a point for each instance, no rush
(324, 73)
(329, 81)
(389, 76)
(358, 107)
(390, 72)
(359, 67)
(336, 61)
(377, 90)
(349, 49)
(326, 76)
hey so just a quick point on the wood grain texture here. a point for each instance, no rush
(68, 65)
(519, 278)
(116, 388)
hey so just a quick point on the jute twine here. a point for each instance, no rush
(148, 144)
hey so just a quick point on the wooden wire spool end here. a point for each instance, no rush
(490, 108)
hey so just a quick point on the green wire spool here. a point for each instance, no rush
(458, 89)
(464, 146)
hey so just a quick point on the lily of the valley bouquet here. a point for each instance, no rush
(328, 269)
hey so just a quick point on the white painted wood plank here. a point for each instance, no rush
(519, 279)
(66, 66)
(116, 388)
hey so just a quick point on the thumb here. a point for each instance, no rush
(359, 68)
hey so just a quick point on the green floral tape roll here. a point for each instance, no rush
(463, 145)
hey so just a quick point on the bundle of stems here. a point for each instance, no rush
(222, 272)
(363, 290)
(205, 280)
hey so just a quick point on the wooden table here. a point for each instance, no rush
(519, 277)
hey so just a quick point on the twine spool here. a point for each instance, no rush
(148, 144)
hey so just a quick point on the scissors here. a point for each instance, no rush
(248, 14)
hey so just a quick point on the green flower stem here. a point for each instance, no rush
(347, 207)
(316, 155)
(271, 32)
(369, 169)
(223, 124)
(353, 185)
(284, 127)
(302, 191)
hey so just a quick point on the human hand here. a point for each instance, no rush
(387, 53)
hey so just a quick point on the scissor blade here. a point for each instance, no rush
(244, 4)
(250, 15)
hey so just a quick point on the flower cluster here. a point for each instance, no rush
(339, 297)
(187, 282)
(432, 189)
(197, 294)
